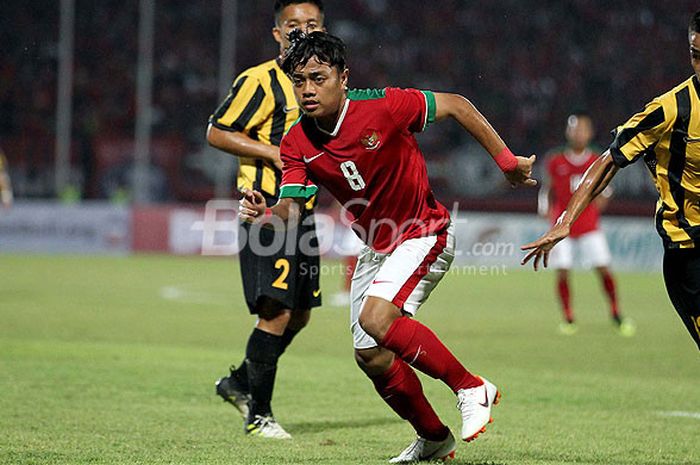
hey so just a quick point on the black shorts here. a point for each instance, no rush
(280, 265)
(682, 277)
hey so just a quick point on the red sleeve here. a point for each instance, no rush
(411, 108)
(295, 179)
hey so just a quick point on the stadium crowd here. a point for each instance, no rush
(525, 64)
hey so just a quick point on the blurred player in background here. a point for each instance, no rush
(666, 135)
(360, 145)
(6, 195)
(565, 168)
(250, 124)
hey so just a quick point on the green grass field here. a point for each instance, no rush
(113, 361)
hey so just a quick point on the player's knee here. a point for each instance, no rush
(376, 317)
(299, 319)
(371, 322)
(273, 313)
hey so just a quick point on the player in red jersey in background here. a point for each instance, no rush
(565, 169)
(359, 144)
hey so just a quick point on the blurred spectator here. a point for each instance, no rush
(6, 195)
(525, 64)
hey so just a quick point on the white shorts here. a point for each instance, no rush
(404, 277)
(592, 248)
(350, 245)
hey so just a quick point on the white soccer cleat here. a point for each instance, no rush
(422, 450)
(266, 427)
(475, 405)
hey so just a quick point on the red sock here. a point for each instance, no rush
(565, 299)
(609, 286)
(418, 346)
(401, 389)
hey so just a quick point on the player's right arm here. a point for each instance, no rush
(230, 125)
(641, 132)
(240, 144)
(594, 181)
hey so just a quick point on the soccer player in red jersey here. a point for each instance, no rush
(359, 144)
(665, 136)
(565, 169)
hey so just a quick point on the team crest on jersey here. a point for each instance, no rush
(370, 139)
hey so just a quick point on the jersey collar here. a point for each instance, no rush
(336, 129)
(578, 159)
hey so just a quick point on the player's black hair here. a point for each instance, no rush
(694, 25)
(327, 49)
(282, 4)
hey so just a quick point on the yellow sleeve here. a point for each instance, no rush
(641, 132)
(243, 109)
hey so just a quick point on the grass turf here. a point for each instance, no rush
(112, 361)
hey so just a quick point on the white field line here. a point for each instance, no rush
(695, 415)
(181, 294)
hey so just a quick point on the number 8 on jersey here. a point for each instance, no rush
(352, 175)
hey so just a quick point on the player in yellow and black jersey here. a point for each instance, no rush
(260, 107)
(279, 272)
(666, 135)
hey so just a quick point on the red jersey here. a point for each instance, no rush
(371, 163)
(565, 172)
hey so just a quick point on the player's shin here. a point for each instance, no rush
(262, 353)
(418, 346)
(287, 337)
(610, 291)
(565, 298)
(401, 389)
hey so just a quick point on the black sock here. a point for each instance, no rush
(240, 374)
(287, 337)
(261, 359)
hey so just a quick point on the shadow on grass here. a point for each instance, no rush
(326, 425)
(457, 461)
(329, 425)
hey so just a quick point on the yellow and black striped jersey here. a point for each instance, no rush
(261, 104)
(666, 135)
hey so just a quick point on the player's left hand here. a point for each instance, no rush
(522, 174)
(539, 249)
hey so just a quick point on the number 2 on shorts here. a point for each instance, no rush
(280, 282)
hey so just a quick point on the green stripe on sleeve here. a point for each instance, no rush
(298, 191)
(430, 101)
